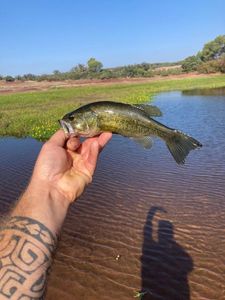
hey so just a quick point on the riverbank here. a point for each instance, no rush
(34, 86)
(35, 114)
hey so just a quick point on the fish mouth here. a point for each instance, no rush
(66, 126)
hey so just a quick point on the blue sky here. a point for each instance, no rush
(39, 36)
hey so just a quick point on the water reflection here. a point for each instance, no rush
(205, 92)
(165, 264)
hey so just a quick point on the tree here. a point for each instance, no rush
(106, 74)
(145, 66)
(80, 68)
(94, 66)
(222, 64)
(211, 66)
(127, 71)
(29, 76)
(9, 78)
(191, 63)
(19, 77)
(56, 72)
(213, 49)
(78, 72)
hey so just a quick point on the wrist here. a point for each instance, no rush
(42, 202)
(40, 189)
(71, 185)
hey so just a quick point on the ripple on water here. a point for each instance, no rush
(144, 223)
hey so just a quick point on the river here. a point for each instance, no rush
(145, 223)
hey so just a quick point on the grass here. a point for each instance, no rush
(35, 114)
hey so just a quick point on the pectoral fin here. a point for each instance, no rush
(145, 141)
(150, 110)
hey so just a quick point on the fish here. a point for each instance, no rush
(135, 121)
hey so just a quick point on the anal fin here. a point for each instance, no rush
(145, 141)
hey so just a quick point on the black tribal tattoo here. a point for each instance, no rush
(26, 249)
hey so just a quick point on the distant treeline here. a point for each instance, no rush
(210, 59)
(94, 70)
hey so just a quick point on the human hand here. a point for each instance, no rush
(63, 168)
(66, 165)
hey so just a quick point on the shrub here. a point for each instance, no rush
(208, 67)
(20, 78)
(149, 73)
(191, 63)
(29, 76)
(106, 74)
(9, 79)
(222, 64)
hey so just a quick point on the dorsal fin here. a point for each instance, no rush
(150, 110)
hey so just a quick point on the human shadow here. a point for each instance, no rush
(165, 265)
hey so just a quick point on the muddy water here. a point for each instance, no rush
(145, 223)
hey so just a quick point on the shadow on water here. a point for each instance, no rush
(165, 264)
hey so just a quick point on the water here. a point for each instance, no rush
(145, 223)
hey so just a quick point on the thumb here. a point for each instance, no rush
(73, 144)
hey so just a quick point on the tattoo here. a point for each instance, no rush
(26, 249)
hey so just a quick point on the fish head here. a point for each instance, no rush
(80, 124)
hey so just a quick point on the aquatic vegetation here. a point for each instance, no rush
(35, 114)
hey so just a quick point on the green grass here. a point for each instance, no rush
(35, 114)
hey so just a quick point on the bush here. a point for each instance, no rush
(9, 79)
(222, 64)
(19, 78)
(29, 76)
(106, 74)
(149, 73)
(208, 67)
(191, 63)
(167, 72)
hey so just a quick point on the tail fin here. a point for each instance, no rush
(180, 144)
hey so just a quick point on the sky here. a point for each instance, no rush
(41, 36)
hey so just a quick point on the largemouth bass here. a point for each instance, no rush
(133, 121)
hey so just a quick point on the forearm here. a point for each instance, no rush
(28, 239)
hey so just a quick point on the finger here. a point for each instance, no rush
(85, 146)
(93, 156)
(73, 143)
(104, 138)
(59, 138)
